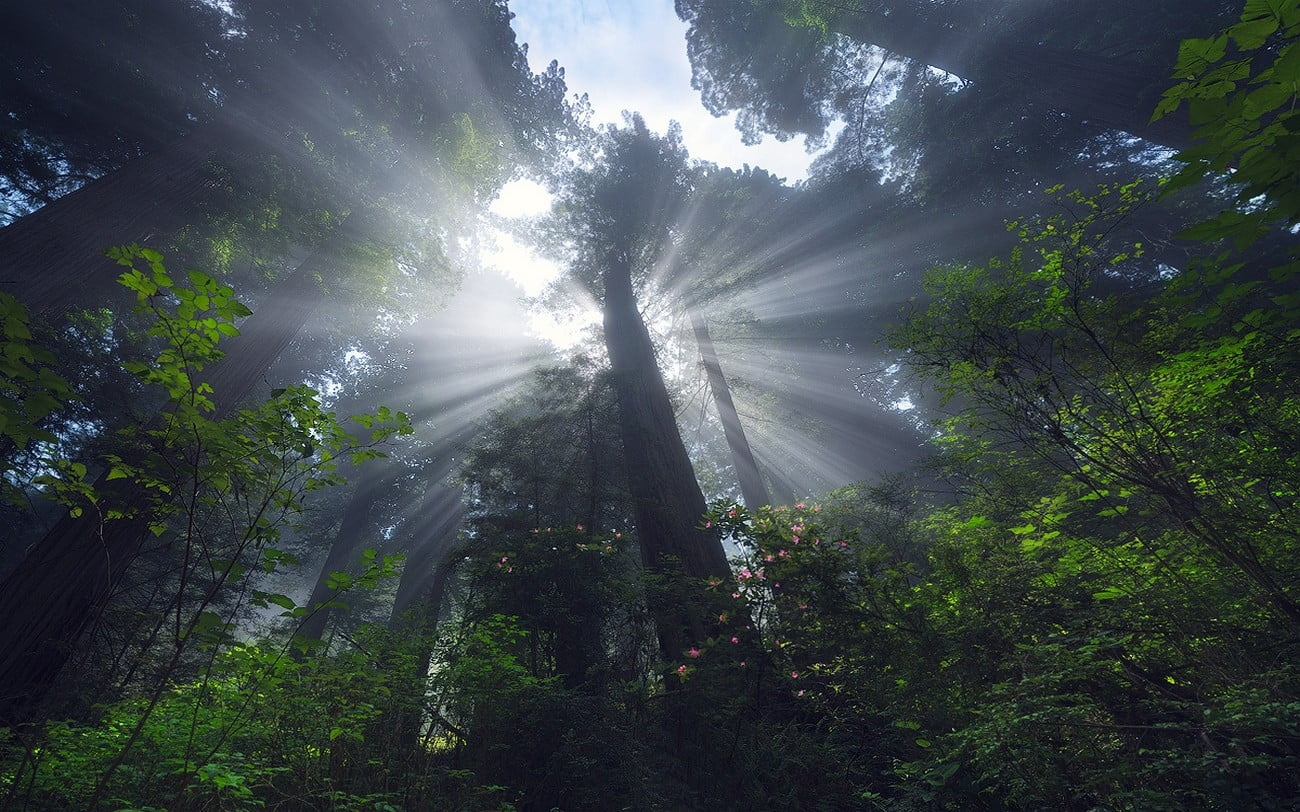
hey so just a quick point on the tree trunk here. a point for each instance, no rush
(53, 258)
(751, 481)
(430, 540)
(667, 503)
(60, 587)
(342, 553)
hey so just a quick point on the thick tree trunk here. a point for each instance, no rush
(52, 260)
(1085, 86)
(752, 488)
(667, 503)
(59, 589)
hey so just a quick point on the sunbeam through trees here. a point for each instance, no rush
(389, 423)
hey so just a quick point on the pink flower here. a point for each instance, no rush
(794, 675)
(796, 539)
(732, 513)
(694, 652)
(722, 618)
(776, 585)
(844, 545)
(745, 574)
(735, 641)
(707, 525)
(580, 528)
(681, 670)
(784, 553)
(713, 582)
(735, 594)
(816, 542)
(803, 606)
(768, 557)
(800, 693)
(799, 505)
(798, 528)
(743, 663)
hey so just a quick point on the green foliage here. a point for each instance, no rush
(30, 388)
(223, 487)
(1240, 88)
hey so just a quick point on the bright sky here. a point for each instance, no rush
(625, 55)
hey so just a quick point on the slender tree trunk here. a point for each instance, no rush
(342, 553)
(430, 540)
(60, 588)
(667, 502)
(751, 481)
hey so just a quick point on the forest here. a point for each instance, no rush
(961, 474)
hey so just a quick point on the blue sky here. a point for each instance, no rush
(631, 55)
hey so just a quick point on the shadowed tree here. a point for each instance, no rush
(780, 65)
(618, 219)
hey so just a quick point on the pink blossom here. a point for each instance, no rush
(722, 618)
(803, 606)
(681, 670)
(694, 652)
(776, 585)
(743, 663)
(579, 528)
(735, 594)
(794, 675)
(768, 557)
(707, 525)
(745, 574)
(732, 513)
(844, 545)
(800, 693)
(735, 641)
(799, 505)
(796, 539)
(784, 554)
(797, 528)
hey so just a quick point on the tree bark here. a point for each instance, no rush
(342, 553)
(667, 502)
(431, 539)
(53, 259)
(752, 488)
